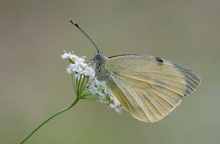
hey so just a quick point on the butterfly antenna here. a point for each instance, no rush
(84, 33)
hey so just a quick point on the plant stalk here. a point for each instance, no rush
(54, 115)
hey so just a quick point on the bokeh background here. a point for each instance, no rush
(34, 83)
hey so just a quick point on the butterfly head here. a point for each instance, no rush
(101, 72)
(97, 57)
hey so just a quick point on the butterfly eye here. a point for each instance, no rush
(97, 57)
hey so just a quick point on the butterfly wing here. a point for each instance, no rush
(149, 87)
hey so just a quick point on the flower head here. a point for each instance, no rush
(78, 65)
(85, 75)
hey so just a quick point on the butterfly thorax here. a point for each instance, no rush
(100, 72)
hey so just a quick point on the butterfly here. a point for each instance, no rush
(148, 87)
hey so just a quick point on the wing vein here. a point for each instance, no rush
(151, 83)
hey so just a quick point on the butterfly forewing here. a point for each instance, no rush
(149, 87)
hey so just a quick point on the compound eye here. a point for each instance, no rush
(97, 57)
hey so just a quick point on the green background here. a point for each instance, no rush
(34, 83)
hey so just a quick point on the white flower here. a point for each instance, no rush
(98, 88)
(78, 65)
(115, 104)
(65, 55)
(83, 70)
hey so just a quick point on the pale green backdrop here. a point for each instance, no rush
(34, 83)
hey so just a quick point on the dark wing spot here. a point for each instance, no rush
(159, 60)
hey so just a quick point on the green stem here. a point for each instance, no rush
(57, 113)
(74, 87)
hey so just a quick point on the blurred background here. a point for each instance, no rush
(34, 83)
